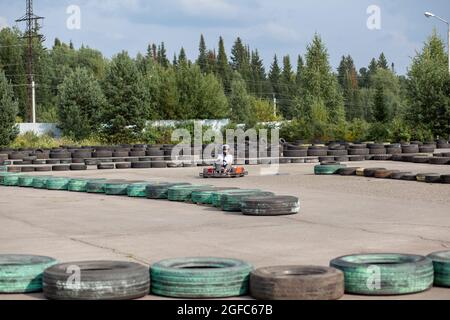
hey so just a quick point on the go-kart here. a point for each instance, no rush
(235, 172)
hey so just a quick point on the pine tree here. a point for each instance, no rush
(300, 67)
(275, 77)
(162, 56)
(8, 112)
(380, 110)
(80, 98)
(319, 84)
(182, 59)
(382, 62)
(202, 60)
(223, 68)
(348, 79)
(258, 78)
(287, 89)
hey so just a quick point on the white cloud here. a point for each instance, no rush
(3, 23)
(280, 32)
(209, 7)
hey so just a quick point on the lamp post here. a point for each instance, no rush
(432, 15)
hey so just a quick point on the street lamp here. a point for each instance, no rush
(432, 15)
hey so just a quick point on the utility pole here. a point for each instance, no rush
(32, 27)
(274, 104)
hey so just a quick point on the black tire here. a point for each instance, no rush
(382, 157)
(317, 152)
(378, 151)
(347, 171)
(370, 172)
(200, 278)
(429, 177)
(141, 165)
(270, 206)
(297, 283)
(78, 167)
(52, 161)
(356, 158)
(123, 165)
(445, 179)
(98, 280)
(121, 154)
(159, 164)
(421, 159)
(394, 150)
(409, 177)
(156, 152)
(102, 154)
(61, 168)
(440, 160)
(28, 169)
(384, 174)
(106, 166)
(426, 149)
(81, 154)
(399, 175)
(358, 152)
(43, 168)
(91, 162)
(410, 149)
(295, 153)
(398, 274)
(337, 152)
(137, 153)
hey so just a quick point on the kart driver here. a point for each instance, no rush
(225, 160)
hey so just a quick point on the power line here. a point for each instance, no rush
(32, 27)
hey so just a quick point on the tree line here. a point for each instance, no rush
(88, 94)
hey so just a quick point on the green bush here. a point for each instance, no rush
(47, 141)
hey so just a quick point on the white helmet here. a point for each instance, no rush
(226, 147)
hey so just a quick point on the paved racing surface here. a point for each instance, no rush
(339, 216)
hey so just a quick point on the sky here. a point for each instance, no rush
(272, 26)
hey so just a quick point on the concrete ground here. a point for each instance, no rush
(339, 216)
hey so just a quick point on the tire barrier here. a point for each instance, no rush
(216, 197)
(138, 190)
(397, 274)
(232, 202)
(428, 177)
(58, 184)
(26, 181)
(98, 280)
(184, 193)
(11, 180)
(22, 273)
(97, 186)
(399, 175)
(370, 172)
(445, 179)
(297, 283)
(40, 182)
(161, 190)
(200, 278)
(79, 185)
(327, 169)
(204, 197)
(118, 187)
(441, 263)
(384, 173)
(270, 206)
(347, 171)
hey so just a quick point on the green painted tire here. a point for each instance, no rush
(40, 182)
(138, 190)
(441, 262)
(161, 190)
(328, 169)
(184, 193)
(22, 274)
(78, 185)
(217, 196)
(232, 202)
(204, 197)
(198, 278)
(385, 274)
(3, 175)
(26, 181)
(116, 188)
(97, 186)
(58, 184)
(11, 180)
